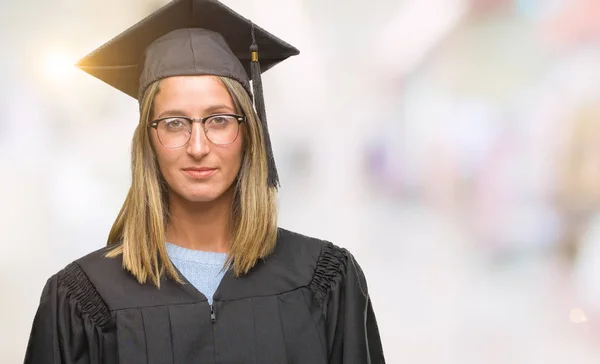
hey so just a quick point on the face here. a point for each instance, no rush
(200, 171)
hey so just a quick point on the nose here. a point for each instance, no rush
(199, 145)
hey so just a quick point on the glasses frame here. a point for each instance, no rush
(154, 124)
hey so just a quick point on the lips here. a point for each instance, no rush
(199, 169)
(199, 172)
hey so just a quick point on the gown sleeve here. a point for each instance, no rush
(69, 322)
(351, 327)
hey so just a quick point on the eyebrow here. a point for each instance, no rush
(168, 113)
(208, 111)
(219, 108)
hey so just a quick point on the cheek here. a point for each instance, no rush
(164, 157)
(230, 158)
(166, 161)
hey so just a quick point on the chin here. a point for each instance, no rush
(207, 194)
(204, 196)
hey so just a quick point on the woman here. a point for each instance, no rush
(195, 269)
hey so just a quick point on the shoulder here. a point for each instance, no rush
(88, 272)
(328, 265)
(96, 280)
(322, 261)
(80, 270)
(290, 266)
(105, 273)
(290, 242)
(72, 290)
(293, 243)
(301, 251)
(119, 289)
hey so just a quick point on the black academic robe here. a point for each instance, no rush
(307, 303)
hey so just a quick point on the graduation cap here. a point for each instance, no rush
(191, 37)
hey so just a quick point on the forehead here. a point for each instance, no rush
(191, 94)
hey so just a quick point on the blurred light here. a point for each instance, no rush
(58, 66)
(539, 9)
(414, 31)
(577, 316)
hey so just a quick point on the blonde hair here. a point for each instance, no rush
(138, 233)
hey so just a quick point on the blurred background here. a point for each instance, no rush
(453, 146)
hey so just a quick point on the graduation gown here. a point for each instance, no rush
(306, 303)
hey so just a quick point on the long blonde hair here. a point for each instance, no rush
(138, 233)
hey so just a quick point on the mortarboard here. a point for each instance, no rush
(191, 37)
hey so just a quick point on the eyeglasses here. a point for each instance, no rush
(176, 131)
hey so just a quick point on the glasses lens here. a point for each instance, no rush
(174, 132)
(222, 129)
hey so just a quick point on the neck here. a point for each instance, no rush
(200, 225)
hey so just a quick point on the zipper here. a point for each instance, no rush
(213, 315)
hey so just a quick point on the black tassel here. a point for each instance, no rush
(259, 104)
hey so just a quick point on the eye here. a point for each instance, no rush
(176, 124)
(219, 121)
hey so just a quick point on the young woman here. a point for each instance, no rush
(196, 269)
